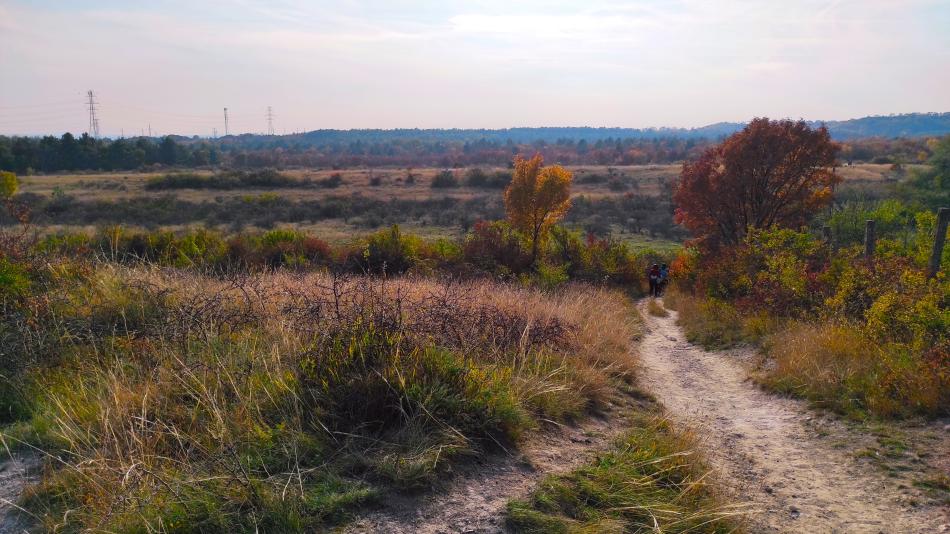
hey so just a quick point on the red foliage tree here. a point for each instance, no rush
(772, 173)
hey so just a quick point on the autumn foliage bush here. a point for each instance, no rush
(598, 260)
(854, 335)
(771, 173)
(497, 248)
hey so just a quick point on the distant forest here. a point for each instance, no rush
(890, 139)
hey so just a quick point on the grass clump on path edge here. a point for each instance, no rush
(656, 309)
(650, 481)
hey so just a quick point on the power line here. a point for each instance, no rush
(93, 120)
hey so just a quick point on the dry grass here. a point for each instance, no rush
(834, 365)
(656, 309)
(281, 402)
(712, 324)
(645, 179)
(837, 366)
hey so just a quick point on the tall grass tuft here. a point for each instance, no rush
(649, 482)
(656, 309)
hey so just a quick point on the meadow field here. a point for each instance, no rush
(627, 203)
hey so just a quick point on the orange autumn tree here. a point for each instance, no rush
(536, 198)
(772, 173)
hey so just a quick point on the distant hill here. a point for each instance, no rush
(890, 126)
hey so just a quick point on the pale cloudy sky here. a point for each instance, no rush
(175, 64)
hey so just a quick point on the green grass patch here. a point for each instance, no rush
(651, 481)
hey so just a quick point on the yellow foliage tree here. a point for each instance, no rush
(536, 198)
(8, 184)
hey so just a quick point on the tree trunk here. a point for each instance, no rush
(943, 217)
(534, 245)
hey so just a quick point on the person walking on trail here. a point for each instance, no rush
(654, 277)
(664, 278)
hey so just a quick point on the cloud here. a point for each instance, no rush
(586, 26)
(485, 63)
(6, 19)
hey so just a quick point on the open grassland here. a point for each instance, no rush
(629, 204)
(167, 400)
(375, 183)
(589, 180)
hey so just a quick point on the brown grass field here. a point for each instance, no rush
(647, 180)
(590, 181)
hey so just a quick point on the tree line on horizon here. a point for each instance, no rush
(48, 154)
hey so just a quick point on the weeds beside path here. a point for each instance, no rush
(794, 473)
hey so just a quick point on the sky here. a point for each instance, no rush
(173, 65)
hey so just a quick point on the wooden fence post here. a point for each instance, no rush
(826, 232)
(943, 217)
(869, 239)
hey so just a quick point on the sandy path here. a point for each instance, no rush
(767, 452)
(473, 501)
(16, 470)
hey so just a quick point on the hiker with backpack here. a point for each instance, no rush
(654, 276)
(664, 278)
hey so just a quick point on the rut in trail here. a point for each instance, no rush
(766, 453)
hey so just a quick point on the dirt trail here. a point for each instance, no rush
(16, 471)
(473, 501)
(767, 451)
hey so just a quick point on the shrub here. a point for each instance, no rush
(8, 185)
(445, 179)
(389, 252)
(290, 248)
(837, 366)
(266, 178)
(366, 383)
(617, 184)
(332, 182)
(596, 260)
(480, 178)
(497, 248)
(476, 177)
(710, 323)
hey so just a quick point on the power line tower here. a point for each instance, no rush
(93, 120)
(270, 121)
(225, 122)
(214, 133)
